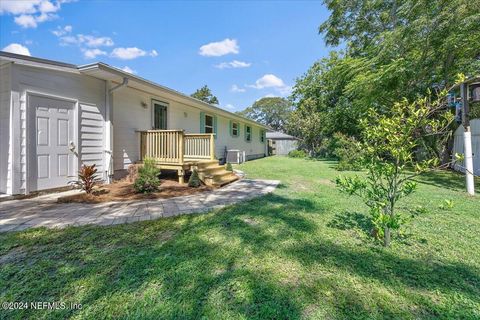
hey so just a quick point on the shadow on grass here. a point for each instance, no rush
(447, 179)
(209, 266)
(390, 269)
(187, 267)
(351, 220)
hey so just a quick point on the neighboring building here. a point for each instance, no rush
(280, 143)
(458, 146)
(56, 116)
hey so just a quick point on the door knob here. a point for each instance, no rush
(72, 146)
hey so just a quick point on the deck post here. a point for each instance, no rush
(212, 147)
(181, 147)
(181, 174)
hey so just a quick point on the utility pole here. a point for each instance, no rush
(467, 139)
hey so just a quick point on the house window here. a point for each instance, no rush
(248, 133)
(159, 115)
(262, 136)
(235, 129)
(208, 124)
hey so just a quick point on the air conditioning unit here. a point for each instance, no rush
(235, 156)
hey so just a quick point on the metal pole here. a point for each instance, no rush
(467, 140)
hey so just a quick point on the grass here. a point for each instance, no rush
(301, 252)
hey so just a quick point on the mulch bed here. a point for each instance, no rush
(122, 190)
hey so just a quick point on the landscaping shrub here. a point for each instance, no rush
(297, 154)
(347, 150)
(194, 180)
(87, 178)
(147, 180)
(229, 167)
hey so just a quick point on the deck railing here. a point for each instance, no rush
(176, 146)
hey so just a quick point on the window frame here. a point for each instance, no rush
(162, 104)
(248, 133)
(205, 123)
(237, 128)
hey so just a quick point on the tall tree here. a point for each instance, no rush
(401, 48)
(205, 94)
(271, 111)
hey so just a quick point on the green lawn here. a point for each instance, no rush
(301, 252)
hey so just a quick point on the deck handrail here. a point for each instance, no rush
(176, 146)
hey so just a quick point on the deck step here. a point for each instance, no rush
(213, 174)
(218, 182)
(206, 164)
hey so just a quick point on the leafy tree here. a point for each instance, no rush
(321, 109)
(271, 111)
(390, 141)
(205, 94)
(393, 49)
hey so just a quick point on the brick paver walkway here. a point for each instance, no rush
(18, 215)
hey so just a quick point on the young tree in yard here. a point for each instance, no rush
(271, 111)
(390, 142)
(205, 94)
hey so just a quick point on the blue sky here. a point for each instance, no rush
(242, 50)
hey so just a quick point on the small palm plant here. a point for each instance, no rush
(87, 178)
(229, 167)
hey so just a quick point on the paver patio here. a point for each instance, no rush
(18, 215)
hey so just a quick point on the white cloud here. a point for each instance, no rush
(272, 81)
(131, 53)
(93, 53)
(17, 48)
(236, 88)
(28, 13)
(18, 7)
(229, 106)
(128, 69)
(233, 64)
(268, 81)
(26, 21)
(221, 48)
(83, 40)
(92, 41)
(62, 31)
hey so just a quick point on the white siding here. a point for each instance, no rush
(88, 91)
(5, 97)
(92, 144)
(130, 116)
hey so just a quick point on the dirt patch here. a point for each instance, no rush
(122, 190)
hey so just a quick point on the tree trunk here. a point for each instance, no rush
(386, 237)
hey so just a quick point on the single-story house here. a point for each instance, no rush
(280, 143)
(56, 116)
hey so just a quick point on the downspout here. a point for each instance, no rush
(123, 84)
(109, 128)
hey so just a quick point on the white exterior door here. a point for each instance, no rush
(52, 163)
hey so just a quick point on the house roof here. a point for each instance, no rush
(276, 135)
(106, 72)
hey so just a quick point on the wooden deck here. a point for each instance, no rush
(177, 150)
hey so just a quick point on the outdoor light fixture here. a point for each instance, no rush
(475, 91)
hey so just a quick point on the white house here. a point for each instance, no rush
(56, 116)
